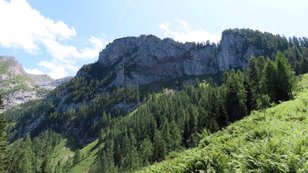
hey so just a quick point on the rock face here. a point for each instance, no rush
(19, 87)
(146, 59)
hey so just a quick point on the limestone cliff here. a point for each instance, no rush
(146, 59)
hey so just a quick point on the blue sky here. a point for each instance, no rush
(57, 37)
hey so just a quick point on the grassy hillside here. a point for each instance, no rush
(88, 155)
(271, 140)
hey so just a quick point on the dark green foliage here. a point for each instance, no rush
(265, 41)
(233, 95)
(285, 78)
(24, 164)
(172, 120)
(81, 117)
(85, 108)
(3, 140)
(146, 151)
(167, 122)
(45, 168)
(33, 155)
(77, 157)
(270, 81)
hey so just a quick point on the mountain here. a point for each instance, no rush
(146, 97)
(129, 68)
(19, 87)
(147, 59)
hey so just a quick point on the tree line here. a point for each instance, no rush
(170, 122)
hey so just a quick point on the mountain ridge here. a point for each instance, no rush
(19, 87)
(146, 59)
(131, 63)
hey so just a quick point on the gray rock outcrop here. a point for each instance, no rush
(146, 59)
(19, 87)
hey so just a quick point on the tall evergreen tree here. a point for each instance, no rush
(254, 75)
(3, 139)
(159, 146)
(285, 78)
(234, 95)
(268, 80)
(146, 151)
(26, 156)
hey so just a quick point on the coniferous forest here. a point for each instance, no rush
(132, 127)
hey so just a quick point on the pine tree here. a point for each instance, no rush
(25, 164)
(146, 151)
(268, 81)
(105, 158)
(159, 146)
(234, 95)
(254, 75)
(3, 140)
(285, 78)
(131, 158)
(175, 135)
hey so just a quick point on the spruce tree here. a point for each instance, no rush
(146, 151)
(25, 164)
(3, 140)
(285, 78)
(268, 81)
(234, 95)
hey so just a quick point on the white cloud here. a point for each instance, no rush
(57, 69)
(184, 33)
(23, 27)
(34, 71)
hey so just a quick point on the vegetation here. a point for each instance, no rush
(34, 155)
(166, 122)
(270, 140)
(123, 129)
(3, 140)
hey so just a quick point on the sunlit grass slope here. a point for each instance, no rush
(271, 140)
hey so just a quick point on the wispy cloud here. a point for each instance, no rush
(184, 33)
(123, 13)
(23, 27)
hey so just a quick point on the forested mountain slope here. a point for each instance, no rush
(270, 140)
(131, 67)
(145, 98)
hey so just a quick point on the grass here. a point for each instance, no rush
(271, 140)
(62, 153)
(88, 155)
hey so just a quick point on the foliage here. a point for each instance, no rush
(189, 112)
(33, 155)
(271, 140)
(270, 81)
(85, 109)
(3, 140)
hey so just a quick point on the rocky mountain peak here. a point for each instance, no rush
(10, 66)
(19, 87)
(147, 58)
